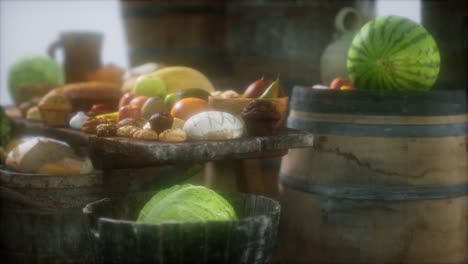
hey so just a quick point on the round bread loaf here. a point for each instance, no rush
(84, 95)
(213, 125)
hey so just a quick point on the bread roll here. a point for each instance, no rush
(173, 135)
(35, 152)
(213, 125)
(84, 95)
(66, 166)
(54, 108)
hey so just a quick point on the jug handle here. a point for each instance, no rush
(53, 47)
(343, 27)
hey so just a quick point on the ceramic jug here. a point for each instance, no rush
(348, 21)
(82, 53)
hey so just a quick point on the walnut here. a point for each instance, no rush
(106, 130)
(229, 94)
(160, 121)
(145, 134)
(178, 123)
(173, 135)
(126, 131)
(89, 126)
(138, 122)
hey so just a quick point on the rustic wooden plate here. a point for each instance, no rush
(112, 153)
(119, 153)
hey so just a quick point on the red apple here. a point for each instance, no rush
(138, 101)
(98, 109)
(257, 88)
(129, 111)
(338, 82)
(126, 98)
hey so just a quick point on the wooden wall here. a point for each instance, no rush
(282, 37)
(448, 22)
(175, 32)
(234, 41)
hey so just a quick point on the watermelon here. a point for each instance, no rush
(393, 53)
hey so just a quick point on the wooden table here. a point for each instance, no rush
(126, 156)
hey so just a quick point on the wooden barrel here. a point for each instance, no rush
(386, 180)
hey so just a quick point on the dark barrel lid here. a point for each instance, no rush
(409, 103)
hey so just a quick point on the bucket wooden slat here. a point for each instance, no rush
(41, 219)
(386, 182)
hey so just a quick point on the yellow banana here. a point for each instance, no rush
(111, 116)
(179, 78)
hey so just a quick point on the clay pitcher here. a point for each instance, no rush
(348, 21)
(82, 53)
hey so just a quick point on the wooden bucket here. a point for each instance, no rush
(386, 182)
(120, 239)
(41, 219)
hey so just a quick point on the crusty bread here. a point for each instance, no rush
(54, 108)
(35, 152)
(213, 125)
(66, 166)
(83, 95)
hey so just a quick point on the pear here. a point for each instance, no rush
(273, 91)
(257, 88)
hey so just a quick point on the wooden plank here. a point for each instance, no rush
(119, 152)
(112, 153)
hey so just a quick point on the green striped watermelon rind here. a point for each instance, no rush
(393, 53)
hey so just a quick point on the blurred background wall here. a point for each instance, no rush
(28, 27)
(233, 41)
(236, 41)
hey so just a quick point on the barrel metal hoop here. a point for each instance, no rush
(379, 130)
(380, 193)
(380, 119)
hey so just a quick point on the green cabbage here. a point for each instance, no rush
(5, 128)
(34, 69)
(186, 203)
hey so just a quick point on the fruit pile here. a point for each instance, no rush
(171, 104)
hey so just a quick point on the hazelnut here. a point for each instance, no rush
(161, 121)
(138, 122)
(173, 135)
(145, 134)
(126, 131)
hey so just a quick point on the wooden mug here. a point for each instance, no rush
(82, 53)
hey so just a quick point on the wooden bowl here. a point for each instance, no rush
(236, 105)
(26, 92)
(120, 239)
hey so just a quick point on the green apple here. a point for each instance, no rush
(151, 86)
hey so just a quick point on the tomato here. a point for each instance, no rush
(188, 107)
